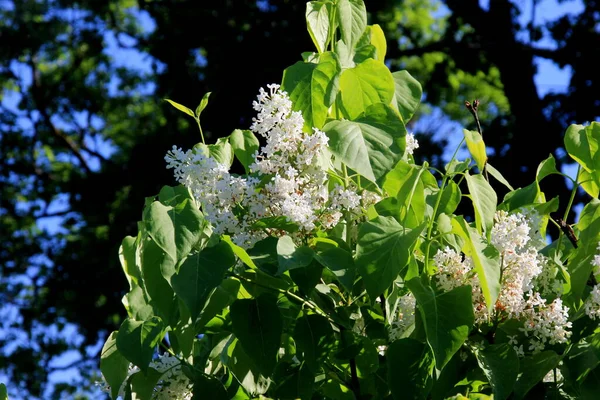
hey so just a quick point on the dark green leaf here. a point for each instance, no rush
(533, 369)
(258, 325)
(409, 367)
(201, 273)
(500, 364)
(137, 340)
(314, 337)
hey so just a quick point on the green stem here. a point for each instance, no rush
(569, 204)
(437, 205)
(200, 127)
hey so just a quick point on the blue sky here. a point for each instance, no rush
(549, 78)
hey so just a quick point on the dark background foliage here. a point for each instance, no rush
(83, 130)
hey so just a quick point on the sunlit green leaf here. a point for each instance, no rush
(202, 105)
(317, 22)
(484, 201)
(486, 259)
(371, 145)
(368, 83)
(181, 108)
(448, 318)
(352, 20)
(113, 365)
(244, 145)
(382, 251)
(476, 147)
(407, 94)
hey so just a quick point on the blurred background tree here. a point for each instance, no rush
(83, 130)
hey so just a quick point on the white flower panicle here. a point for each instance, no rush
(524, 271)
(287, 178)
(411, 143)
(591, 306)
(404, 318)
(173, 384)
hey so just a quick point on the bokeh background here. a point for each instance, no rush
(84, 129)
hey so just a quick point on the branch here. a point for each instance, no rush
(38, 98)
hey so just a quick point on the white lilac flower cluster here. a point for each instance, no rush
(411, 143)
(404, 317)
(173, 384)
(291, 164)
(591, 306)
(524, 274)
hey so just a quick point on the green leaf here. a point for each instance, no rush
(113, 365)
(580, 265)
(314, 339)
(405, 182)
(219, 299)
(4, 392)
(243, 367)
(317, 22)
(368, 83)
(476, 147)
(450, 200)
(409, 369)
(127, 252)
(371, 145)
(176, 230)
(221, 152)
(202, 105)
(312, 88)
(181, 108)
(486, 259)
(500, 364)
(278, 223)
(582, 144)
(162, 297)
(377, 39)
(383, 250)
(137, 340)
(448, 317)
(296, 383)
(258, 325)
(588, 183)
(142, 384)
(183, 334)
(340, 262)
(484, 201)
(239, 252)
(496, 174)
(290, 257)
(307, 277)
(207, 386)
(352, 20)
(407, 94)
(201, 273)
(244, 145)
(533, 369)
(173, 195)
